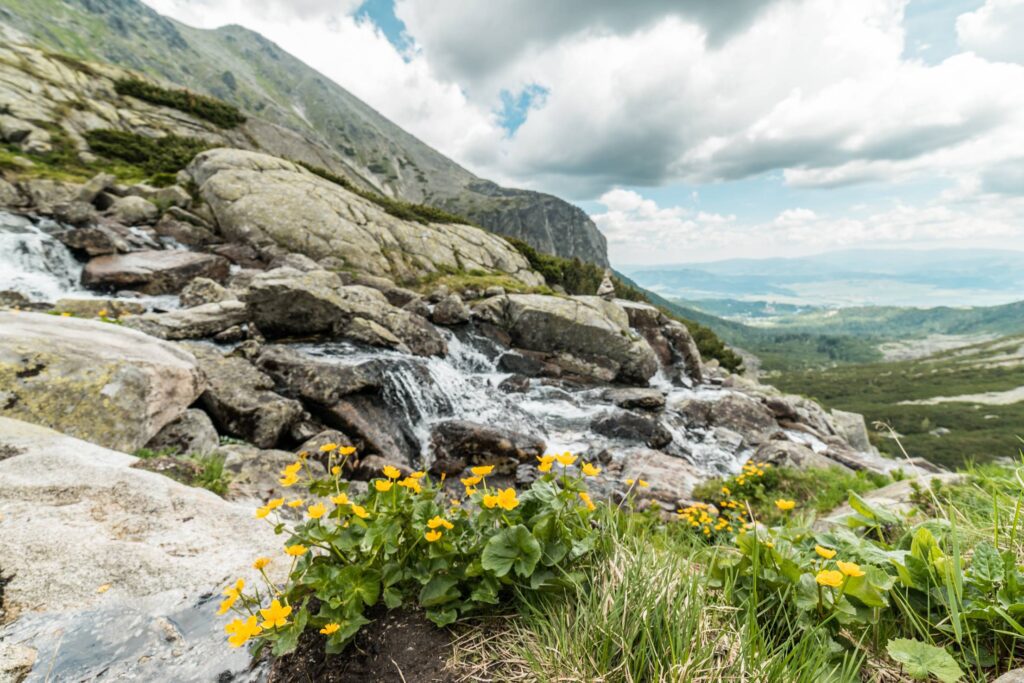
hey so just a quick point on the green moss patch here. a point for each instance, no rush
(210, 109)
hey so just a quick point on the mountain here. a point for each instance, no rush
(896, 277)
(251, 72)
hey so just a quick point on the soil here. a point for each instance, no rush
(398, 646)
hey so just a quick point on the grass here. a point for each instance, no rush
(202, 470)
(155, 156)
(210, 109)
(461, 280)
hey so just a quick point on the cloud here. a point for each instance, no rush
(995, 30)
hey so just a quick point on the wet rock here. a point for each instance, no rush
(319, 381)
(133, 211)
(458, 444)
(516, 384)
(685, 347)
(11, 299)
(255, 473)
(185, 232)
(632, 427)
(91, 308)
(192, 432)
(450, 311)
(203, 290)
(374, 428)
(232, 335)
(670, 339)
(197, 322)
(152, 272)
(240, 399)
(790, 454)
(644, 399)
(96, 240)
(285, 302)
(734, 411)
(101, 382)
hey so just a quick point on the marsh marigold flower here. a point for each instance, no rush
(585, 497)
(849, 568)
(276, 615)
(785, 505)
(827, 553)
(590, 470)
(360, 511)
(328, 447)
(490, 501)
(336, 470)
(239, 632)
(262, 512)
(417, 475)
(432, 536)
(470, 482)
(329, 629)
(829, 577)
(565, 459)
(340, 499)
(391, 472)
(289, 480)
(296, 550)
(297, 503)
(412, 484)
(260, 563)
(639, 482)
(316, 511)
(545, 463)
(439, 521)
(382, 485)
(275, 503)
(482, 470)
(346, 450)
(507, 499)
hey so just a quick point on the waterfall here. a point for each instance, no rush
(33, 262)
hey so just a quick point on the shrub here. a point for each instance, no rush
(408, 540)
(165, 155)
(213, 110)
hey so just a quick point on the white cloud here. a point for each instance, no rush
(995, 30)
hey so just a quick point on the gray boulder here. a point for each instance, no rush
(450, 311)
(203, 290)
(629, 426)
(197, 322)
(458, 444)
(319, 381)
(799, 456)
(153, 272)
(133, 211)
(644, 399)
(255, 473)
(192, 432)
(853, 428)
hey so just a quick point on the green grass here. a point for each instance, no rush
(155, 156)
(461, 280)
(208, 108)
(200, 470)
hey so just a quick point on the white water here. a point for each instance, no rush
(33, 262)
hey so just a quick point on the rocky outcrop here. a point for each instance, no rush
(644, 399)
(589, 330)
(266, 201)
(450, 311)
(458, 444)
(153, 272)
(671, 341)
(321, 382)
(799, 456)
(198, 322)
(192, 433)
(734, 411)
(97, 381)
(127, 594)
(630, 426)
(289, 303)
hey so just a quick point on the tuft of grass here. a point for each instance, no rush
(461, 280)
(211, 475)
(210, 109)
(156, 156)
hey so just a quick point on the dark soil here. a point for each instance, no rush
(399, 646)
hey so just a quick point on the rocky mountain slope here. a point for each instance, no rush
(242, 67)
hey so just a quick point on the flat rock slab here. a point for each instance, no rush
(191, 323)
(153, 272)
(113, 566)
(98, 381)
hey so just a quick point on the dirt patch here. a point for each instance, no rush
(8, 451)
(399, 646)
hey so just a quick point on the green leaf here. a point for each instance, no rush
(439, 590)
(514, 547)
(392, 598)
(442, 617)
(921, 660)
(986, 565)
(288, 637)
(875, 514)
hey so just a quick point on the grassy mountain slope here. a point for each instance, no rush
(247, 70)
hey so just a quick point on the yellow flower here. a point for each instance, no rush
(275, 503)
(392, 472)
(417, 475)
(329, 629)
(328, 447)
(725, 491)
(829, 577)
(565, 459)
(316, 511)
(294, 468)
(275, 616)
(262, 512)
(440, 521)
(260, 563)
(346, 450)
(545, 463)
(382, 485)
(288, 480)
(590, 470)
(432, 536)
(827, 553)
(639, 482)
(585, 497)
(340, 499)
(360, 511)
(232, 593)
(226, 604)
(507, 499)
(411, 484)
(66, 314)
(296, 550)
(482, 470)
(102, 313)
(336, 470)
(785, 505)
(849, 568)
(241, 631)
(470, 482)
(303, 455)
(490, 501)
(297, 503)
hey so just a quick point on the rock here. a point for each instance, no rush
(198, 322)
(313, 444)
(255, 474)
(1014, 676)
(91, 308)
(285, 302)
(203, 290)
(418, 307)
(527, 363)
(516, 384)
(623, 424)
(96, 240)
(374, 428)
(853, 428)
(133, 211)
(152, 272)
(232, 335)
(895, 498)
(14, 130)
(243, 255)
(101, 382)
(297, 262)
(790, 454)
(671, 480)
(44, 194)
(588, 328)
(494, 290)
(259, 199)
(16, 662)
(184, 232)
(450, 311)
(606, 290)
(150, 551)
(10, 196)
(12, 299)
(240, 401)
(319, 381)
(75, 213)
(192, 432)
(458, 444)
(101, 182)
(372, 466)
(734, 411)
(685, 347)
(644, 399)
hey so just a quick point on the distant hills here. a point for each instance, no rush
(244, 68)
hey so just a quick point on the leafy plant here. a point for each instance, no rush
(213, 110)
(921, 660)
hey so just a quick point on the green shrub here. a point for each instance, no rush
(166, 155)
(213, 110)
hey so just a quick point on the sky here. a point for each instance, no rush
(694, 130)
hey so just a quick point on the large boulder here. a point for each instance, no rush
(255, 474)
(734, 411)
(586, 328)
(110, 569)
(97, 381)
(636, 397)
(133, 210)
(374, 428)
(670, 479)
(320, 381)
(263, 200)
(289, 303)
(197, 322)
(853, 428)
(457, 444)
(192, 432)
(629, 426)
(799, 456)
(153, 272)
(240, 399)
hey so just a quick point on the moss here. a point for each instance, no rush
(213, 110)
(459, 281)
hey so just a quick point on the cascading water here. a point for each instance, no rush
(33, 262)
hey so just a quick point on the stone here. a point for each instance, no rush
(75, 213)
(14, 130)
(16, 662)
(644, 399)
(316, 380)
(12, 299)
(149, 553)
(91, 308)
(588, 328)
(101, 182)
(606, 290)
(190, 433)
(240, 399)
(133, 211)
(683, 344)
(184, 232)
(255, 473)
(494, 290)
(96, 240)
(373, 428)
(1013, 676)
(105, 383)
(896, 498)
(197, 322)
(286, 302)
(734, 411)
(450, 311)
(671, 480)
(458, 444)
(631, 426)
(297, 262)
(153, 272)
(312, 445)
(516, 384)
(853, 428)
(10, 196)
(259, 200)
(799, 456)
(203, 290)
(242, 255)
(43, 194)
